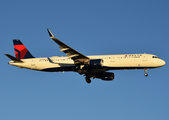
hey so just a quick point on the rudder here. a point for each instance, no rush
(21, 52)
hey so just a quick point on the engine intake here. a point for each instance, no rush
(107, 76)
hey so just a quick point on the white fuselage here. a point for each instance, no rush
(112, 62)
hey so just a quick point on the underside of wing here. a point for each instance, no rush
(76, 56)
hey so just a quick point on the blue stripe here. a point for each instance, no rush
(17, 42)
(28, 55)
(18, 53)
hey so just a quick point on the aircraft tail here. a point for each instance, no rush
(21, 52)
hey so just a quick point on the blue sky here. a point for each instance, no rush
(91, 27)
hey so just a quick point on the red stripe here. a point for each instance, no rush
(16, 55)
(22, 50)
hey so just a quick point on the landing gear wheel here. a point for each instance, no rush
(80, 72)
(145, 70)
(146, 74)
(88, 80)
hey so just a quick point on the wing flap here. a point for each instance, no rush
(63, 49)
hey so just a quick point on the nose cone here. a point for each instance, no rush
(162, 62)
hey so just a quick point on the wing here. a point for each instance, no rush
(76, 56)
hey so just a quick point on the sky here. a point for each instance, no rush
(92, 27)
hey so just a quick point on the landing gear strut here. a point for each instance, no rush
(88, 80)
(145, 70)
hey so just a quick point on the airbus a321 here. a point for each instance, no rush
(95, 66)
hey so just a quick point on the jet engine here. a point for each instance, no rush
(107, 76)
(95, 63)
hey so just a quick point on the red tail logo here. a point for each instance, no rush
(21, 51)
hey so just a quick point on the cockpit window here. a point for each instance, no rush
(155, 57)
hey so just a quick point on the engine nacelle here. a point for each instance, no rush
(107, 76)
(95, 63)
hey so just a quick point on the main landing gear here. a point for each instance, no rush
(145, 70)
(88, 80)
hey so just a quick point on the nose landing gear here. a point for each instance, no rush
(145, 70)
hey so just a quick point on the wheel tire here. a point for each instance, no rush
(80, 72)
(88, 80)
(146, 74)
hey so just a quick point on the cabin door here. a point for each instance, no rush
(33, 64)
(144, 58)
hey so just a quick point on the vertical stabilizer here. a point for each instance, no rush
(21, 52)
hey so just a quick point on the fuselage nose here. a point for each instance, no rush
(159, 62)
(162, 62)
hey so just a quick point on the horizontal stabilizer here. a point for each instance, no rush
(14, 58)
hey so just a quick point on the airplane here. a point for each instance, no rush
(95, 66)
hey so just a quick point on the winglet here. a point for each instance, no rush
(50, 34)
(14, 58)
